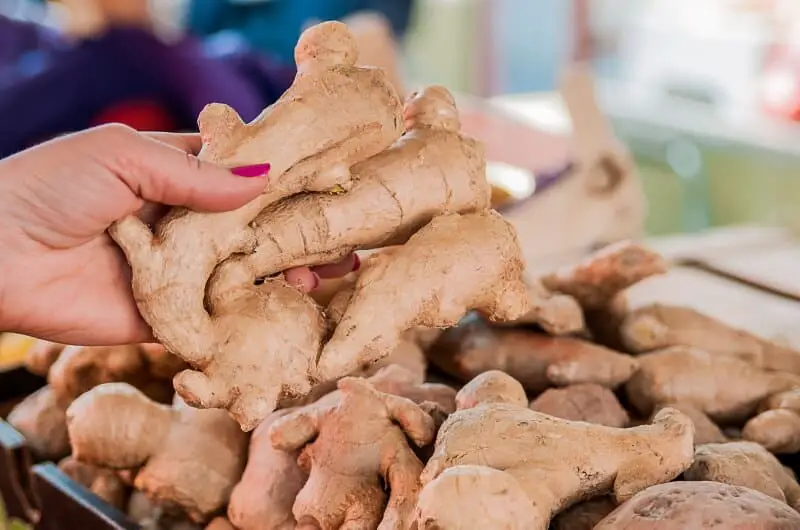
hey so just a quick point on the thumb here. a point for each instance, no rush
(164, 173)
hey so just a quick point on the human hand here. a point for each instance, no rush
(62, 278)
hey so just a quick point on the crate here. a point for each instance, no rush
(747, 264)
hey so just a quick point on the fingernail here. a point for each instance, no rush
(256, 170)
(316, 281)
(356, 262)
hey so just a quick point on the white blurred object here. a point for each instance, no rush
(707, 51)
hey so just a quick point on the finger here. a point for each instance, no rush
(159, 172)
(303, 278)
(342, 268)
(188, 142)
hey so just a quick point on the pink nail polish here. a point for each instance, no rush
(256, 170)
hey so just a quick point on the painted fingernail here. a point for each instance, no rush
(257, 170)
(356, 262)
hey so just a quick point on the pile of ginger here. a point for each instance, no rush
(434, 388)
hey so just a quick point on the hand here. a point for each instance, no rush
(62, 278)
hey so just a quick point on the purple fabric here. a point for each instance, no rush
(73, 83)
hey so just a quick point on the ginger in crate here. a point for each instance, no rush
(444, 277)
(105, 483)
(701, 505)
(725, 388)
(582, 402)
(475, 497)
(41, 356)
(349, 448)
(42, 421)
(660, 326)
(548, 456)
(80, 368)
(334, 115)
(186, 458)
(705, 430)
(264, 498)
(536, 360)
(745, 464)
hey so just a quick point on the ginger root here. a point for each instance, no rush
(583, 402)
(557, 314)
(42, 421)
(105, 483)
(493, 386)
(548, 457)
(41, 356)
(659, 326)
(431, 170)
(350, 448)
(80, 368)
(725, 388)
(495, 500)
(445, 277)
(705, 430)
(595, 281)
(777, 430)
(187, 458)
(263, 499)
(701, 505)
(251, 344)
(745, 464)
(538, 361)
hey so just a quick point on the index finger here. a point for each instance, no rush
(188, 142)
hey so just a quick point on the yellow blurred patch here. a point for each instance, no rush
(13, 348)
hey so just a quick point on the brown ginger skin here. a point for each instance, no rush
(431, 170)
(41, 356)
(351, 447)
(705, 430)
(536, 360)
(777, 430)
(42, 421)
(105, 483)
(187, 458)
(660, 326)
(81, 368)
(444, 277)
(595, 281)
(583, 402)
(557, 314)
(492, 386)
(725, 388)
(334, 115)
(702, 505)
(493, 499)
(263, 499)
(745, 464)
(548, 458)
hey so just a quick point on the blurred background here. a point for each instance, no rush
(704, 95)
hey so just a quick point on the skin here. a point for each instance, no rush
(58, 199)
(547, 456)
(745, 464)
(351, 447)
(701, 506)
(187, 458)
